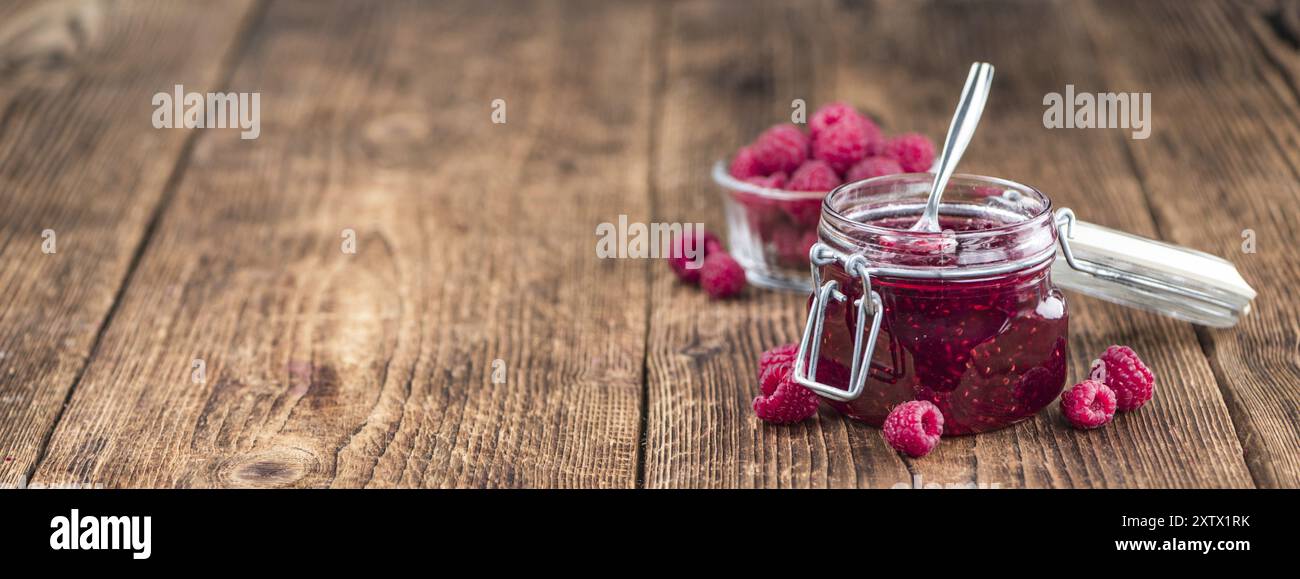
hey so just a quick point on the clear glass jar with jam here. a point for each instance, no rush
(969, 318)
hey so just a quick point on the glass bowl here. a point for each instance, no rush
(770, 231)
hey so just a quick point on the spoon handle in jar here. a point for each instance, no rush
(969, 109)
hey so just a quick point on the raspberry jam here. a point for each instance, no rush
(971, 320)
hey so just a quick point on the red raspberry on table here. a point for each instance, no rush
(831, 114)
(785, 401)
(781, 148)
(773, 364)
(914, 428)
(1121, 369)
(782, 399)
(681, 264)
(813, 176)
(873, 167)
(774, 181)
(846, 142)
(913, 151)
(746, 165)
(1088, 404)
(721, 276)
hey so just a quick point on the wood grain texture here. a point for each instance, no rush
(1223, 159)
(474, 244)
(474, 240)
(720, 90)
(79, 157)
(721, 87)
(1184, 438)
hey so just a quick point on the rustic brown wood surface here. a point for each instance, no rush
(474, 240)
(79, 158)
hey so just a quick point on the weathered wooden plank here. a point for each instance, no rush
(80, 158)
(719, 89)
(473, 244)
(1222, 159)
(722, 89)
(1183, 438)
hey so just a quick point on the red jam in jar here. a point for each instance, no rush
(971, 320)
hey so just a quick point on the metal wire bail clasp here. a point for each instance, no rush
(805, 365)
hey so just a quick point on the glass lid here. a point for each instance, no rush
(1144, 273)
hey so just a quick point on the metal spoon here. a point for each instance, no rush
(964, 121)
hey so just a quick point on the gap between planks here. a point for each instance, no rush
(658, 88)
(249, 23)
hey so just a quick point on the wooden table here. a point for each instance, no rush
(474, 240)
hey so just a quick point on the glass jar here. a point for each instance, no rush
(969, 318)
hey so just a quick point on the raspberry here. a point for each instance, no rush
(681, 263)
(813, 176)
(873, 167)
(784, 400)
(746, 165)
(845, 143)
(773, 364)
(721, 277)
(1121, 369)
(1088, 404)
(761, 212)
(792, 244)
(913, 151)
(712, 245)
(831, 114)
(914, 427)
(781, 148)
(805, 212)
(774, 181)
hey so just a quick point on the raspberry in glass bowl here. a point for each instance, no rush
(770, 229)
(774, 187)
